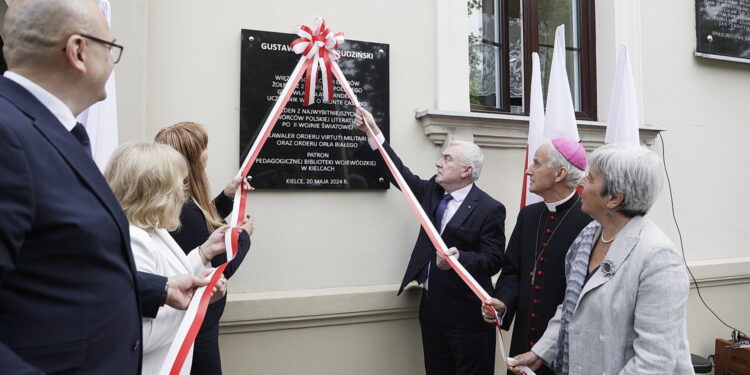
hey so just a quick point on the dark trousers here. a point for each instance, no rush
(206, 358)
(451, 351)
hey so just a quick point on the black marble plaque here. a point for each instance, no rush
(723, 28)
(315, 146)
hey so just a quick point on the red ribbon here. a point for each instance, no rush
(318, 48)
(318, 45)
(183, 343)
(432, 233)
(187, 343)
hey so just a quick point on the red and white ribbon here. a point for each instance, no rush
(191, 322)
(429, 228)
(190, 325)
(318, 45)
(438, 242)
(240, 197)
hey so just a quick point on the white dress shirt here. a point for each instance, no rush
(458, 195)
(451, 208)
(373, 143)
(453, 205)
(55, 105)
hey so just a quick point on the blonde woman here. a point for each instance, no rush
(200, 216)
(148, 181)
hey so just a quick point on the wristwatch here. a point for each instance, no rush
(164, 295)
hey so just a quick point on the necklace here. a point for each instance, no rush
(601, 238)
(538, 252)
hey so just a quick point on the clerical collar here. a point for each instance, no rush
(552, 207)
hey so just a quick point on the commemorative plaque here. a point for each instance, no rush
(315, 146)
(723, 29)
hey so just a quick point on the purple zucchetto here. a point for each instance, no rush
(572, 151)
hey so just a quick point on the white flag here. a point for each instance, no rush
(560, 120)
(536, 128)
(100, 120)
(622, 123)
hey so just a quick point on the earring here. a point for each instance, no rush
(609, 215)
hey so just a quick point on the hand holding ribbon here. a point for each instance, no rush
(317, 47)
(447, 257)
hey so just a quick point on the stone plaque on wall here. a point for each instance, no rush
(723, 29)
(315, 146)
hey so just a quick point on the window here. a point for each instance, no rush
(502, 36)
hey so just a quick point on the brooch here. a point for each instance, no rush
(608, 268)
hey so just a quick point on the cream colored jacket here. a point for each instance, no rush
(157, 252)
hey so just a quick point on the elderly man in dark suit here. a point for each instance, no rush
(70, 298)
(455, 339)
(532, 282)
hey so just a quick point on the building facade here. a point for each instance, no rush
(317, 294)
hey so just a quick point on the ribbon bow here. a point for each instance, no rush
(318, 45)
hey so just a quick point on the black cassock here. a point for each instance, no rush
(532, 282)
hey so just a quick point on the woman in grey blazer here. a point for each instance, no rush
(624, 307)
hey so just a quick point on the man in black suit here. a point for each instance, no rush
(71, 300)
(454, 338)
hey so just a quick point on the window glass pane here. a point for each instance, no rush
(485, 53)
(553, 13)
(497, 48)
(485, 83)
(572, 65)
(515, 63)
(545, 61)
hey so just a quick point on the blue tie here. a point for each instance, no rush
(424, 272)
(80, 133)
(441, 210)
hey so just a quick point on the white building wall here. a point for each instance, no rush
(317, 293)
(704, 105)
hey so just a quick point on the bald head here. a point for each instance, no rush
(36, 29)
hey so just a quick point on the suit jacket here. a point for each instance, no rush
(632, 321)
(156, 252)
(68, 283)
(477, 230)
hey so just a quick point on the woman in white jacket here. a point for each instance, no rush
(148, 181)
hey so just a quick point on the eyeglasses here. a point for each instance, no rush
(114, 49)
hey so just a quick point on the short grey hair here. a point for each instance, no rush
(471, 155)
(34, 28)
(633, 171)
(556, 160)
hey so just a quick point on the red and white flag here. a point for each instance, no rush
(100, 120)
(536, 128)
(622, 122)
(560, 119)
